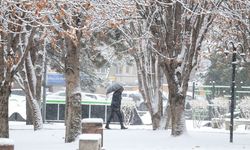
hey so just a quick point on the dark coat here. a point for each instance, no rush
(116, 100)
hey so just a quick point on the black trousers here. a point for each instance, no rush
(116, 111)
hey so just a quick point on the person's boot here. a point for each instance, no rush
(107, 126)
(123, 127)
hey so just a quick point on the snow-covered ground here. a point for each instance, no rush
(135, 138)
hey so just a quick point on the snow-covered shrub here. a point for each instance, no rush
(220, 107)
(199, 111)
(244, 107)
(127, 107)
(198, 104)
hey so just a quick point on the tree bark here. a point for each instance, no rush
(177, 108)
(29, 82)
(149, 86)
(166, 118)
(73, 90)
(29, 120)
(6, 78)
(34, 66)
(4, 109)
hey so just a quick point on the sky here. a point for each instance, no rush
(137, 137)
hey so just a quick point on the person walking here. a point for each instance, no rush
(116, 108)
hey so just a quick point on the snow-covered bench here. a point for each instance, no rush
(217, 122)
(93, 126)
(237, 122)
(90, 142)
(6, 144)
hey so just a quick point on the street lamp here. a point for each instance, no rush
(193, 90)
(234, 63)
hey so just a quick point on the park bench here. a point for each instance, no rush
(217, 122)
(237, 122)
(93, 126)
(6, 144)
(90, 142)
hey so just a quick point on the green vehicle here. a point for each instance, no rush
(93, 106)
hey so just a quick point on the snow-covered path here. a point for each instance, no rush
(135, 138)
(161, 140)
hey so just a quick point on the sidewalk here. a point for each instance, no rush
(134, 138)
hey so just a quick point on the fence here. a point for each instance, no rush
(215, 104)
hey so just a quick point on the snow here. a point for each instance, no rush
(146, 118)
(6, 141)
(137, 137)
(92, 120)
(90, 137)
(17, 104)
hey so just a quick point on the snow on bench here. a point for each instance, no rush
(92, 120)
(6, 144)
(90, 142)
(217, 122)
(237, 122)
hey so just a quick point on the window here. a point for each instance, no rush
(62, 94)
(127, 69)
(101, 70)
(51, 111)
(118, 70)
(18, 92)
(91, 96)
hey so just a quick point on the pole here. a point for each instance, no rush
(193, 90)
(213, 92)
(44, 90)
(232, 94)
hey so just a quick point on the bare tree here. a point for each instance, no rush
(178, 29)
(73, 26)
(234, 21)
(14, 51)
(148, 67)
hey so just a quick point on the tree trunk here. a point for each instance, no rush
(4, 105)
(29, 83)
(166, 118)
(73, 102)
(177, 107)
(149, 86)
(29, 120)
(6, 78)
(156, 118)
(176, 98)
(37, 58)
(39, 65)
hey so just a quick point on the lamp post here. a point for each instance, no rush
(193, 90)
(232, 106)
